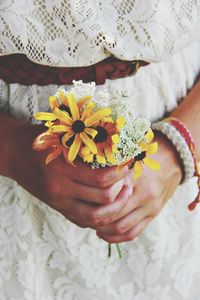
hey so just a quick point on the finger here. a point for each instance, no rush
(128, 236)
(110, 210)
(134, 202)
(102, 177)
(124, 224)
(95, 195)
(127, 208)
(141, 197)
(92, 214)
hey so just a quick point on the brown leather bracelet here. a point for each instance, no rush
(17, 68)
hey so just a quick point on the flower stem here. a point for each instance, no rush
(119, 251)
(109, 250)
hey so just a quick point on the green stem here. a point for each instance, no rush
(109, 250)
(119, 251)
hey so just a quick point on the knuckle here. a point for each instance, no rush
(107, 221)
(101, 180)
(107, 196)
(119, 229)
(93, 218)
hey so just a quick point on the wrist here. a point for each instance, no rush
(169, 158)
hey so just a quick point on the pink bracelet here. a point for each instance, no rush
(184, 131)
(182, 140)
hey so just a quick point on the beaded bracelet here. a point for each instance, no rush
(183, 142)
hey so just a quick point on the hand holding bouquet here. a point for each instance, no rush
(99, 129)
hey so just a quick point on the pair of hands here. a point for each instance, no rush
(118, 207)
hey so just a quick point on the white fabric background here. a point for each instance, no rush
(45, 257)
(82, 32)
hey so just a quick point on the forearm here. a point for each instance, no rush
(13, 134)
(8, 126)
(188, 112)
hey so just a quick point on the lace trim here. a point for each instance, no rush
(78, 33)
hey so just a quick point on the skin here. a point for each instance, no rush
(111, 202)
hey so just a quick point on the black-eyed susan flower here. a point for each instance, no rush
(106, 141)
(76, 126)
(147, 149)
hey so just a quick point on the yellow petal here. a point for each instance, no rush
(97, 116)
(65, 154)
(45, 116)
(91, 132)
(88, 158)
(88, 142)
(110, 157)
(108, 120)
(66, 137)
(149, 136)
(74, 148)
(73, 106)
(152, 148)
(114, 149)
(101, 159)
(60, 128)
(63, 97)
(53, 102)
(83, 100)
(49, 124)
(115, 138)
(120, 122)
(85, 150)
(87, 111)
(53, 155)
(63, 116)
(137, 169)
(151, 163)
(143, 147)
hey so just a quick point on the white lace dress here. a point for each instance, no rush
(42, 255)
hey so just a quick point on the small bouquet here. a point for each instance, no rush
(98, 128)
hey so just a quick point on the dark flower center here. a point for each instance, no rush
(69, 142)
(101, 135)
(78, 126)
(140, 156)
(65, 108)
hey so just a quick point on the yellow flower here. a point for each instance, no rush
(147, 149)
(61, 101)
(75, 125)
(50, 140)
(106, 142)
